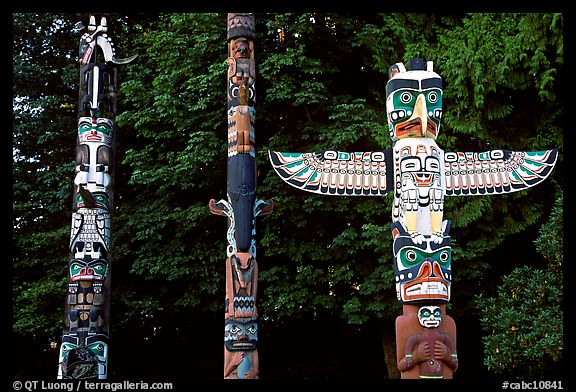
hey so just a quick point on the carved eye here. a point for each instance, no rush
(234, 329)
(252, 329)
(432, 164)
(411, 255)
(444, 256)
(405, 97)
(432, 97)
(410, 164)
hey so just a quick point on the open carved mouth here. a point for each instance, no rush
(414, 128)
(410, 128)
(411, 124)
(240, 345)
(86, 274)
(86, 277)
(431, 323)
(423, 179)
(431, 288)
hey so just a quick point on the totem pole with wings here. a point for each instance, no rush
(84, 348)
(420, 174)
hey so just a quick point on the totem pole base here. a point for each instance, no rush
(426, 351)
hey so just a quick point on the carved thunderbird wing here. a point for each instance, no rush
(337, 173)
(496, 171)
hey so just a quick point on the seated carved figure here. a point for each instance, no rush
(426, 339)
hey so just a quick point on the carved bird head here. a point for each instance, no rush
(413, 100)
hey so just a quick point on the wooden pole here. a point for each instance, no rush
(84, 348)
(241, 207)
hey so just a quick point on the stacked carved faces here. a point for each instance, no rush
(84, 349)
(422, 253)
(241, 324)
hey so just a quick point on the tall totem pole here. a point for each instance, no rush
(241, 207)
(420, 175)
(84, 348)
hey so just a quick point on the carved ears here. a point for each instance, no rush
(396, 68)
(413, 65)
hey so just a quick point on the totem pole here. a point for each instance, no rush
(241, 207)
(84, 348)
(420, 174)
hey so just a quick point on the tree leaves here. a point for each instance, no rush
(524, 320)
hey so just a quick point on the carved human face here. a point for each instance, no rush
(420, 166)
(241, 49)
(91, 269)
(83, 361)
(240, 335)
(95, 130)
(101, 200)
(414, 103)
(429, 316)
(423, 271)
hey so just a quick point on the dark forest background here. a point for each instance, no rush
(326, 294)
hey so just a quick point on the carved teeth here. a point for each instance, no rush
(437, 288)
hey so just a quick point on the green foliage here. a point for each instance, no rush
(487, 61)
(173, 98)
(524, 321)
(35, 304)
(550, 241)
(42, 169)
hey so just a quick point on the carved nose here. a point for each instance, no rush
(87, 271)
(421, 111)
(437, 270)
(425, 269)
(429, 268)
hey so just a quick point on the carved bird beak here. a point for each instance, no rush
(421, 112)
